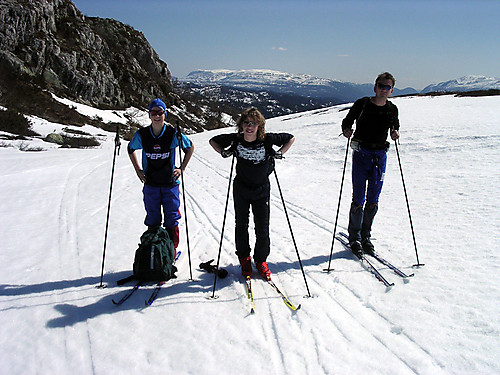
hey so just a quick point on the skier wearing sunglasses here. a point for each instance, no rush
(376, 118)
(157, 171)
(253, 149)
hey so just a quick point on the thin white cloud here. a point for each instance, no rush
(344, 55)
(279, 48)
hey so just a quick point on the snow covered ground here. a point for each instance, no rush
(445, 320)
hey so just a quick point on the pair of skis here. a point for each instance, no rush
(128, 294)
(284, 298)
(342, 237)
(147, 302)
(154, 294)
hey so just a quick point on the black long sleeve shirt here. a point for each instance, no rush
(373, 122)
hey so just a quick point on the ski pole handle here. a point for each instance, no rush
(117, 139)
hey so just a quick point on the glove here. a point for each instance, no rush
(277, 155)
(347, 132)
(227, 153)
(210, 268)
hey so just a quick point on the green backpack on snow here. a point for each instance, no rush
(154, 259)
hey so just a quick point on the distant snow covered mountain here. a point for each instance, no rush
(255, 78)
(276, 93)
(283, 83)
(466, 83)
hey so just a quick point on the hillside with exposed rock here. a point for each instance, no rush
(51, 47)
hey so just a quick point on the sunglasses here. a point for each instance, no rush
(156, 113)
(384, 87)
(249, 123)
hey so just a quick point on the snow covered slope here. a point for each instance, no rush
(445, 320)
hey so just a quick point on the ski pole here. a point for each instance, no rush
(116, 152)
(223, 225)
(291, 232)
(179, 138)
(408, 206)
(338, 206)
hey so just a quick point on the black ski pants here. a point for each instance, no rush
(245, 197)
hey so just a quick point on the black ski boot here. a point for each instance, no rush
(368, 247)
(355, 222)
(356, 249)
(366, 228)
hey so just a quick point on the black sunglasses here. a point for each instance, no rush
(384, 87)
(156, 113)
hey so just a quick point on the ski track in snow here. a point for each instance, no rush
(78, 343)
(376, 315)
(300, 213)
(443, 321)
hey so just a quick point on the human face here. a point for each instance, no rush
(157, 115)
(383, 88)
(250, 129)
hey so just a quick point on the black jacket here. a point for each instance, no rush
(372, 121)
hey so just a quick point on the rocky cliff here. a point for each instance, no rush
(101, 62)
(49, 46)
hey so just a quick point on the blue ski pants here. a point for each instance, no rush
(156, 198)
(368, 166)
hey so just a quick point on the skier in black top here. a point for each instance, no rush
(375, 118)
(252, 147)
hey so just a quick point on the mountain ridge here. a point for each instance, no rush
(465, 83)
(287, 83)
(278, 93)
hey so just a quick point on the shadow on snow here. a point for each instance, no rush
(72, 314)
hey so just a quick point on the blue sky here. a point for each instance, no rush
(419, 41)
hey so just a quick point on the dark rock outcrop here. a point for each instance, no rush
(51, 46)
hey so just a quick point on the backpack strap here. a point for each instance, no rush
(363, 109)
(125, 280)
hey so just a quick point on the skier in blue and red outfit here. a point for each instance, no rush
(252, 147)
(158, 173)
(375, 118)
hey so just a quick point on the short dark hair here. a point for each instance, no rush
(386, 75)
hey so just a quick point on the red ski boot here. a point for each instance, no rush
(263, 270)
(246, 266)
